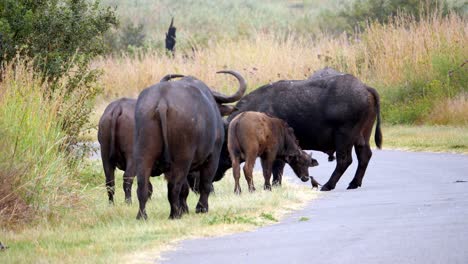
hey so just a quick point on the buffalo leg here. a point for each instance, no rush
(184, 192)
(248, 170)
(236, 174)
(207, 173)
(128, 177)
(109, 170)
(147, 151)
(343, 160)
(267, 164)
(193, 180)
(173, 195)
(150, 189)
(278, 167)
(363, 153)
(177, 178)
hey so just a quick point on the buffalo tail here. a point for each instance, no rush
(378, 131)
(117, 111)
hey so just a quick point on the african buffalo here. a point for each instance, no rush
(185, 114)
(115, 136)
(254, 134)
(329, 112)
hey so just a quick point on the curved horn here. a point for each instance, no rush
(220, 98)
(171, 76)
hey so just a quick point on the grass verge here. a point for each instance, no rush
(426, 138)
(100, 233)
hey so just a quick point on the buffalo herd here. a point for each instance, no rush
(176, 128)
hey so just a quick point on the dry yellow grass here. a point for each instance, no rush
(451, 111)
(383, 55)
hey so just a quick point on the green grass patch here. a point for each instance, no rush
(100, 233)
(426, 138)
(304, 219)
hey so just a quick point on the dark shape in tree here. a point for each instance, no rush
(171, 37)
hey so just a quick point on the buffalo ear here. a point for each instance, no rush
(226, 109)
(313, 163)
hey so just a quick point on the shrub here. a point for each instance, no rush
(61, 36)
(355, 15)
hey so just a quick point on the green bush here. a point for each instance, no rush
(354, 15)
(412, 102)
(61, 37)
(59, 34)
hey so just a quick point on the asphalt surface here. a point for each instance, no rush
(412, 208)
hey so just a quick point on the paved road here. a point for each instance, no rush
(411, 209)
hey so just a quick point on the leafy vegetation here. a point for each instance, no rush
(60, 37)
(59, 34)
(355, 15)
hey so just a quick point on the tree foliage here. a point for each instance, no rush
(58, 34)
(60, 37)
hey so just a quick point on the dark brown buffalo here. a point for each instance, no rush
(115, 135)
(254, 134)
(329, 112)
(185, 114)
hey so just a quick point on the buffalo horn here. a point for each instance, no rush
(220, 98)
(171, 76)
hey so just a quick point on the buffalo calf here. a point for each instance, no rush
(254, 134)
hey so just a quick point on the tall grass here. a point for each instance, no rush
(35, 179)
(413, 64)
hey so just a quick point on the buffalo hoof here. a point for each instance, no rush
(352, 186)
(326, 188)
(267, 187)
(174, 216)
(276, 183)
(142, 215)
(201, 209)
(238, 191)
(251, 189)
(184, 209)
